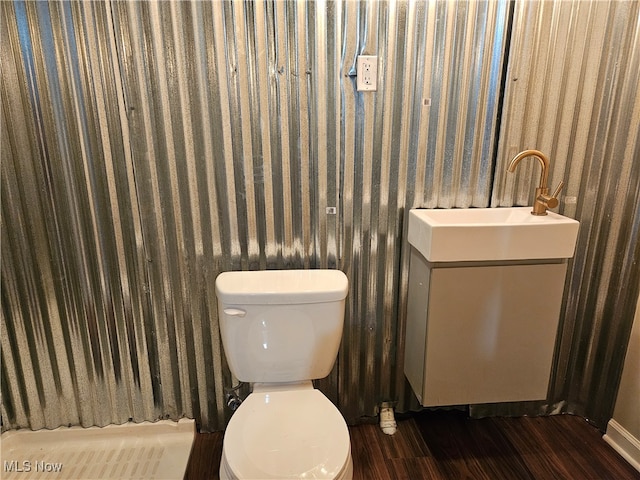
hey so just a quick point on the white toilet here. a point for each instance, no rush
(281, 329)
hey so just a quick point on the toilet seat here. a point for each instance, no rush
(280, 434)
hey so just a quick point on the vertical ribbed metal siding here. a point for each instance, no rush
(148, 146)
(165, 142)
(573, 92)
(84, 348)
(422, 140)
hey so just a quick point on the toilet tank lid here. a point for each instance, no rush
(281, 287)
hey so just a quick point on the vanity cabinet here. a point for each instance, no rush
(481, 333)
(482, 322)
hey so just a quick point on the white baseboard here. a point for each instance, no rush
(623, 442)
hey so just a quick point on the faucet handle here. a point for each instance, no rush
(551, 201)
(558, 188)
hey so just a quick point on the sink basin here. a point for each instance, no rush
(481, 234)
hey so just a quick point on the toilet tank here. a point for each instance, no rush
(281, 325)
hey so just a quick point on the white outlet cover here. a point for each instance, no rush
(367, 73)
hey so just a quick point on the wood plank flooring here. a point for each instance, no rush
(445, 445)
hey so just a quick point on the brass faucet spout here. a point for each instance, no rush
(541, 157)
(542, 199)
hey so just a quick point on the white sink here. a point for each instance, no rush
(479, 234)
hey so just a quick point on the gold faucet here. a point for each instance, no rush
(543, 199)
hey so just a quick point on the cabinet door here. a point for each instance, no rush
(491, 333)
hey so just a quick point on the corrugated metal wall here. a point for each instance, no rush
(423, 139)
(165, 142)
(573, 91)
(149, 146)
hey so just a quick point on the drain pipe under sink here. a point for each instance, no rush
(387, 419)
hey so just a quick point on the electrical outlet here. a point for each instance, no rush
(367, 73)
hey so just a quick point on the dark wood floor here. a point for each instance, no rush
(448, 445)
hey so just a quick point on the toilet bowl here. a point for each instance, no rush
(281, 329)
(287, 433)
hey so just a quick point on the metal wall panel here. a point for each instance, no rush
(572, 92)
(424, 139)
(149, 146)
